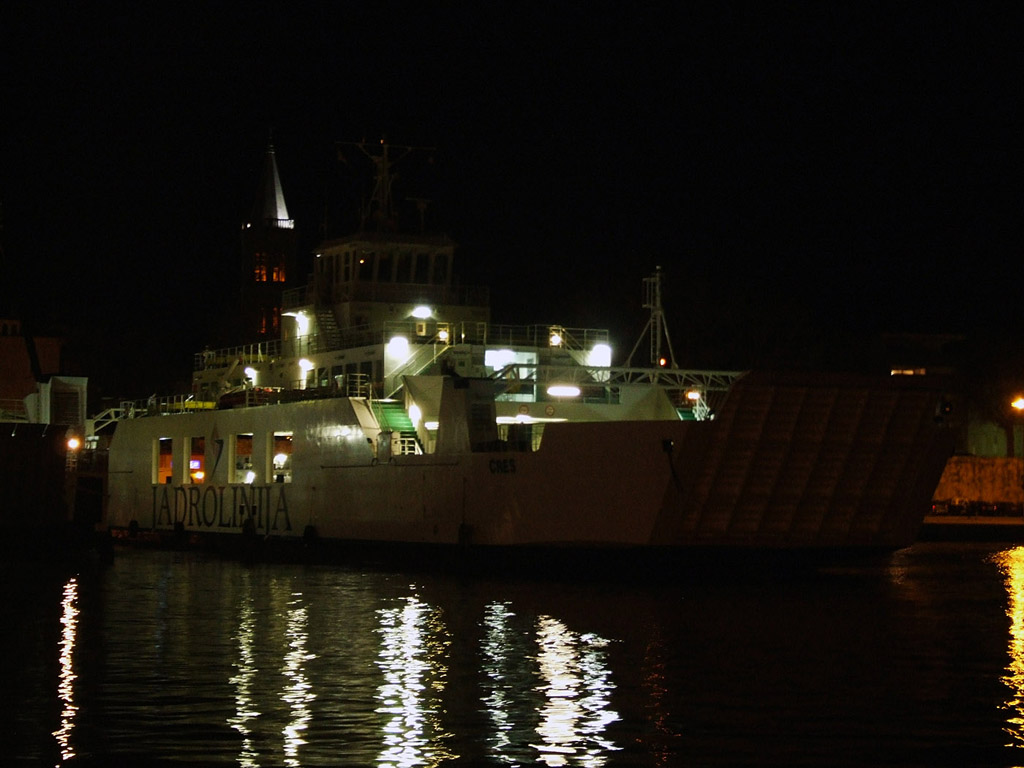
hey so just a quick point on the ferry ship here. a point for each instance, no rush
(388, 410)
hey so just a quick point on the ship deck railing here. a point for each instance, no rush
(415, 331)
(13, 409)
(392, 293)
(155, 406)
(697, 391)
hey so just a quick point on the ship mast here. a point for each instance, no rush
(656, 327)
(380, 206)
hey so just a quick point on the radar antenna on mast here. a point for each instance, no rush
(656, 327)
(380, 207)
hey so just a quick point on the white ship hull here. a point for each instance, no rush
(788, 464)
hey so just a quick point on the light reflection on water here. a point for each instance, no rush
(577, 688)
(244, 679)
(66, 686)
(1011, 562)
(170, 657)
(412, 659)
(297, 694)
(566, 688)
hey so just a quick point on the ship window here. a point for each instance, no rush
(241, 459)
(163, 464)
(422, 274)
(385, 273)
(365, 266)
(438, 268)
(403, 267)
(281, 457)
(197, 460)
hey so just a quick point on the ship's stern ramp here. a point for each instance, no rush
(811, 461)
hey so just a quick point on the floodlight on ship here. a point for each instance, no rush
(564, 390)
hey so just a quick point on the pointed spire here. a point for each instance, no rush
(274, 212)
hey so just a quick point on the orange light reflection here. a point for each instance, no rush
(1011, 563)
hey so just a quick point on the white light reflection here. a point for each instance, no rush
(577, 690)
(245, 706)
(413, 645)
(66, 685)
(508, 694)
(1011, 563)
(297, 692)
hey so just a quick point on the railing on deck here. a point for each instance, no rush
(466, 332)
(395, 293)
(12, 409)
(696, 391)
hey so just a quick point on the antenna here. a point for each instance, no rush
(656, 327)
(380, 207)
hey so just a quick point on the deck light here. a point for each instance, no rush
(498, 358)
(415, 414)
(555, 336)
(600, 356)
(1018, 404)
(693, 395)
(422, 312)
(564, 390)
(398, 348)
(251, 373)
(74, 443)
(301, 322)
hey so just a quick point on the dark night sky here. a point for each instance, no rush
(804, 174)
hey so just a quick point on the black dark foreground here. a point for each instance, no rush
(613, 564)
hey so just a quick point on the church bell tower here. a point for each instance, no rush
(267, 258)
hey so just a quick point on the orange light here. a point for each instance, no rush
(74, 443)
(662, 362)
(1018, 404)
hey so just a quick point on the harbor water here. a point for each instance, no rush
(183, 658)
